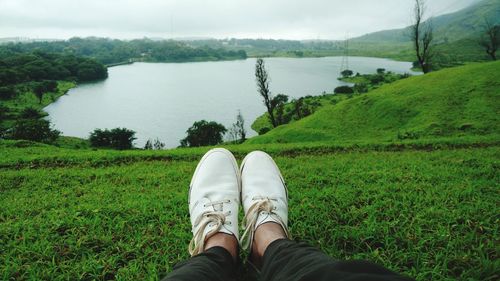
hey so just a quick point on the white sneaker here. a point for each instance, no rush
(214, 198)
(264, 195)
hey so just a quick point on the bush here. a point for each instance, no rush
(31, 113)
(34, 130)
(4, 112)
(118, 138)
(347, 73)
(344, 90)
(360, 88)
(264, 130)
(7, 92)
(154, 145)
(204, 133)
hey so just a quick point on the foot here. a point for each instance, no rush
(265, 201)
(214, 200)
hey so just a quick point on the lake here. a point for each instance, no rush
(162, 100)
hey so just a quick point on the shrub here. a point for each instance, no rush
(204, 133)
(7, 92)
(347, 73)
(264, 130)
(360, 88)
(376, 79)
(30, 113)
(344, 90)
(154, 145)
(34, 130)
(4, 112)
(118, 138)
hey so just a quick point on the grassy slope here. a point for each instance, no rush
(455, 34)
(463, 24)
(325, 99)
(457, 102)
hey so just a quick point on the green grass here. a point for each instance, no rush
(406, 176)
(454, 102)
(432, 215)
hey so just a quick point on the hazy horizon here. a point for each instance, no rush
(257, 19)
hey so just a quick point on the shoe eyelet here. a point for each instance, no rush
(228, 223)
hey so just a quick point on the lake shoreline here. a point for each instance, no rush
(162, 100)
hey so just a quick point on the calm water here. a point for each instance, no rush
(162, 100)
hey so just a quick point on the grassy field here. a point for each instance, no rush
(423, 202)
(429, 214)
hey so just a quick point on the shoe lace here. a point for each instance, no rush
(208, 218)
(262, 204)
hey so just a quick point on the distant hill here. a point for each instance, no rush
(456, 36)
(454, 102)
(456, 26)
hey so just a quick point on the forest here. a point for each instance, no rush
(112, 51)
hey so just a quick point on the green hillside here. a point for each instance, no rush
(455, 37)
(456, 26)
(456, 102)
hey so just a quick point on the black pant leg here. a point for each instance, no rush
(293, 261)
(215, 264)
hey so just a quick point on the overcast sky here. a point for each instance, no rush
(278, 19)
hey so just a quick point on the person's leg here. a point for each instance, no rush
(216, 262)
(283, 259)
(214, 198)
(265, 202)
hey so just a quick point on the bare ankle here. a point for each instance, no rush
(264, 235)
(226, 241)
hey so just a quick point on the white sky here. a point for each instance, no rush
(277, 19)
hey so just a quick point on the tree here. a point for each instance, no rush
(118, 138)
(7, 92)
(43, 87)
(148, 145)
(154, 145)
(490, 40)
(31, 113)
(343, 90)
(158, 145)
(422, 36)
(39, 90)
(262, 78)
(204, 133)
(346, 73)
(34, 130)
(4, 112)
(237, 132)
(278, 103)
(380, 71)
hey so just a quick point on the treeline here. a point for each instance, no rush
(110, 51)
(23, 67)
